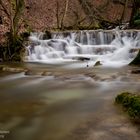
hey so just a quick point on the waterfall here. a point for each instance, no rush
(111, 48)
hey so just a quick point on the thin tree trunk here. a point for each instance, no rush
(11, 19)
(124, 11)
(57, 14)
(64, 15)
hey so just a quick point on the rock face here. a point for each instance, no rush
(136, 61)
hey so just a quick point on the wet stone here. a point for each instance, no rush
(98, 63)
(135, 71)
(47, 73)
(10, 69)
(29, 72)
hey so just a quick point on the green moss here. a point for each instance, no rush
(14, 47)
(137, 22)
(131, 103)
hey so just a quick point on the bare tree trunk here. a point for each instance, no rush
(11, 20)
(57, 14)
(64, 15)
(78, 19)
(124, 11)
(13, 10)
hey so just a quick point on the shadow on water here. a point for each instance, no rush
(66, 105)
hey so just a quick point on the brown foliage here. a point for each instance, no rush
(41, 14)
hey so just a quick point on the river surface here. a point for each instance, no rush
(66, 104)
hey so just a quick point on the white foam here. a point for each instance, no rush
(63, 49)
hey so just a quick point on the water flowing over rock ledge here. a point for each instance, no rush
(110, 47)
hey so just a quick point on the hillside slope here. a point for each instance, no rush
(41, 14)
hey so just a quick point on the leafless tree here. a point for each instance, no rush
(61, 18)
(13, 10)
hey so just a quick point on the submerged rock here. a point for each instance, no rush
(30, 72)
(45, 73)
(10, 69)
(1, 67)
(135, 71)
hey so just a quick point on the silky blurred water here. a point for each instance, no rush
(112, 48)
(66, 104)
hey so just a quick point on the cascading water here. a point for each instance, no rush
(111, 48)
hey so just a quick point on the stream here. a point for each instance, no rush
(67, 104)
(68, 87)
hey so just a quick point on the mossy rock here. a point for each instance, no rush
(131, 103)
(98, 63)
